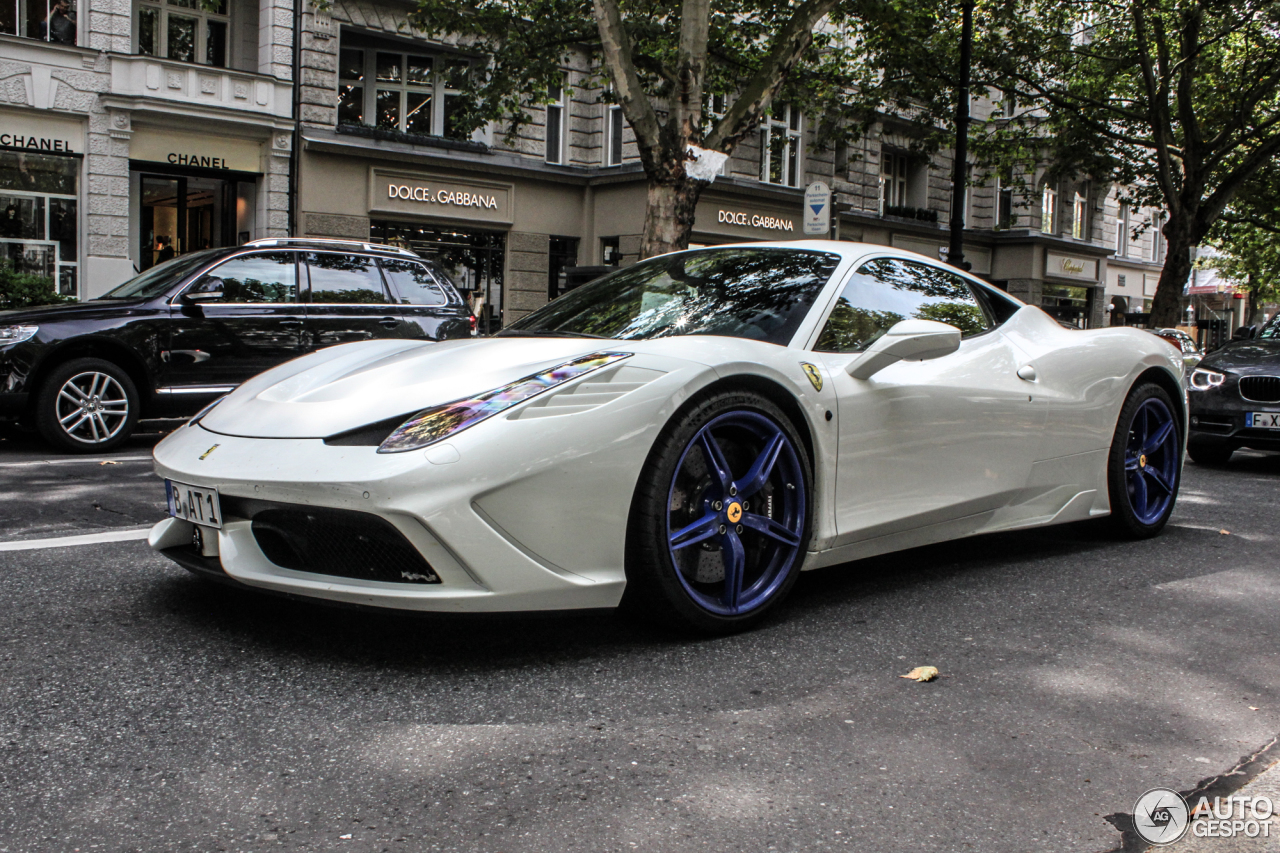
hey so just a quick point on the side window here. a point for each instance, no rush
(999, 307)
(269, 277)
(887, 291)
(413, 283)
(345, 280)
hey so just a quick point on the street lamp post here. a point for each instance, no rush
(960, 171)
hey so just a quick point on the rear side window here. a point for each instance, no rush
(999, 306)
(263, 278)
(886, 291)
(413, 283)
(345, 280)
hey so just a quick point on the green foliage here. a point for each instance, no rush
(24, 290)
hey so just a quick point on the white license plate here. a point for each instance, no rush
(198, 504)
(1262, 420)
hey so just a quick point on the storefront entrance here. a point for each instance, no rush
(474, 259)
(180, 214)
(38, 194)
(1068, 304)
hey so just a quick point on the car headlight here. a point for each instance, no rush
(1203, 380)
(438, 423)
(17, 334)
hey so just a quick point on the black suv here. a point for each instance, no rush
(189, 330)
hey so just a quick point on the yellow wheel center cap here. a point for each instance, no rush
(734, 512)
(1142, 461)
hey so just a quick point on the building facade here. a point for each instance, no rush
(164, 128)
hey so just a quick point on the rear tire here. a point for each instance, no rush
(1209, 452)
(721, 517)
(87, 406)
(1144, 466)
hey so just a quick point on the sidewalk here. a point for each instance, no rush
(1266, 784)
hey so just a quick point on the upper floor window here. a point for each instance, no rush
(780, 142)
(410, 93)
(1004, 206)
(185, 30)
(1157, 237)
(1049, 210)
(557, 112)
(615, 122)
(47, 20)
(1080, 217)
(1122, 231)
(893, 179)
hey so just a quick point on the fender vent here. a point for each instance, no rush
(586, 396)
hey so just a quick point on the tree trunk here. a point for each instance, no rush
(1166, 308)
(668, 218)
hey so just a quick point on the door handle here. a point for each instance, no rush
(1027, 372)
(389, 322)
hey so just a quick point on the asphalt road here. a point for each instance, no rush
(142, 709)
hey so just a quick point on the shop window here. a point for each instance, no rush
(46, 20)
(411, 93)
(471, 259)
(1067, 303)
(180, 214)
(610, 251)
(564, 253)
(185, 30)
(780, 143)
(557, 113)
(38, 216)
(1048, 210)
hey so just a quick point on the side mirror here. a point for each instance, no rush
(910, 340)
(205, 290)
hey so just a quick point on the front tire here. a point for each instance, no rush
(721, 517)
(1144, 466)
(87, 406)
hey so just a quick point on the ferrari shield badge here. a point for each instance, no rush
(814, 376)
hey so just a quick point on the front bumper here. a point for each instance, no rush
(1218, 417)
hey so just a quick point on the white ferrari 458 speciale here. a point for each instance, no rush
(684, 436)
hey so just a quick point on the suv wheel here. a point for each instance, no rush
(87, 405)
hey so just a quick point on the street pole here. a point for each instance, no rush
(960, 171)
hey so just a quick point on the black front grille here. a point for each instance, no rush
(338, 542)
(1260, 389)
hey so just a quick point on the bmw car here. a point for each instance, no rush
(681, 437)
(1235, 398)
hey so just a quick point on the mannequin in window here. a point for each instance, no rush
(166, 252)
(60, 26)
(10, 222)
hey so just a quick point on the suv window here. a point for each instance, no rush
(887, 291)
(266, 278)
(345, 279)
(413, 283)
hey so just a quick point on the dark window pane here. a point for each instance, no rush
(419, 70)
(886, 292)
(389, 108)
(351, 64)
(62, 227)
(345, 280)
(9, 19)
(182, 38)
(215, 46)
(413, 283)
(760, 294)
(21, 218)
(147, 27)
(389, 67)
(350, 105)
(455, 73)
(616, 120)
(67, 281)
(454, 109)
(554, 119)
(38, 173)
(417, 115)
(266, 278)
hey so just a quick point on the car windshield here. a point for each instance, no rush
(1271, 331)
(762, 294)
(161, 277)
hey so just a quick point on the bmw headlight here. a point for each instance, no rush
(17, 334)
(1203, 380)
(438, 423)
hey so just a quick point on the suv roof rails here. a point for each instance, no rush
(324, 242)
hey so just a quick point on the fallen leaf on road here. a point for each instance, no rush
(1251, 708)
(1225, 532)
(108, 462)
(922, 673)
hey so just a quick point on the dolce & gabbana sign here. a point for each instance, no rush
(755, 220)
(725, 216)
(427, 195)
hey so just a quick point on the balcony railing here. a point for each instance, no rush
(185, 83)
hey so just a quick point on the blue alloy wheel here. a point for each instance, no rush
(736, 513)
(1151, 461)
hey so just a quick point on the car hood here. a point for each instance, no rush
(67, 311)
(354, 385)
(1256, 356)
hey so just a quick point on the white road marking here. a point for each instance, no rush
(78, 460)
(83, 539)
